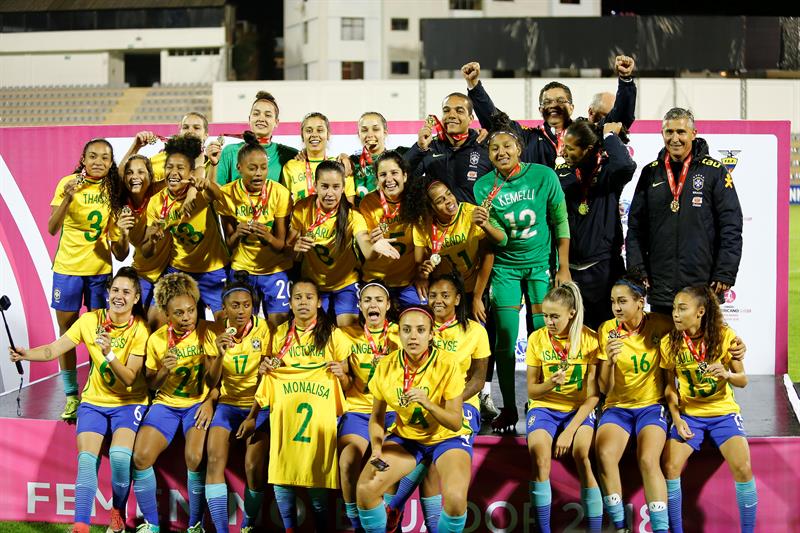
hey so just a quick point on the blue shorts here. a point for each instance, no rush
(473, 418)
(432, 452)
(405, 296)
(344, 301)
(272, 290)
(70, 293)
(229, 417)
(167, 419)
(147, 292)
(96, 419)
(553, 421)
(634, 420)
(210, 285)
(262, 420)
(358, 424)
(719, 428)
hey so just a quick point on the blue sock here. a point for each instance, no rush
(541, 498)
(373, 520)
(407, 485)
(120, 459)
(593, 504)
(196, 486)
(252, 503)
(217, 498)
(70, 380)
(351, 510)
(659, 519)
(85, 486)
(432, 510)
(615, 509)
(674, 504)
(287, 505)
(144, 486)
(319, 505)
(747, 500)
(452, 524)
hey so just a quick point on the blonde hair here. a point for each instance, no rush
(173, 285)
(569, 295)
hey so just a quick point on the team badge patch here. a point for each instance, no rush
(729, 159)
(57, 295)
(531, 420)
(697, 182)
(474, 158)
(256, 344)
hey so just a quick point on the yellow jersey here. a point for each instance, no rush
(197, 242)
(185, 385)
(83, 246)
(302, 352)
(700, 395)
(303, 406)
(330, 268)
(540, 353)
(149, 268)
(394, 272)
(240, 364)
(459, 250)
(464, 346)
(438, 377)
(251, 254)
(293, 177)
(362, 362)
(103, 388)
(638, 380)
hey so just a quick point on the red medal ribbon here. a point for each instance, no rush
(437, 237)
(239, 336)
(585, 186)
(408, 377)
(138, 210)
(365, 158)
(388, 213)
(626, 334)
(292, 335)
(259, 207)
(165, 208)
(438, 130)
(107, 325)
(446, 325)
(321, 218)
(559, 139)
(676, 192)
(371, 340)
(496, 188)
(698, 353)
(561, 350)
(173, 340)
(261, 140)
(309, 174)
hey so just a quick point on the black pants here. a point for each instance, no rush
(595, 284)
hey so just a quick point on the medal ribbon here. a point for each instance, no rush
(408, 377)
(107, 325)
(365, 158)
(559, 139)
(496, 188)
(387, 212)
(261, 140)
(438, 130)
(676, 192)
(173, 340)
(585, 186)
(138, 210)
(561, 350)
(258, 207)
(446, 325)
(437, 237)
(292, 335)
(698, 353)
(309, 174)
(371, 340)
(321, 217)
(626, 334)
(240, 334)
(165, 208)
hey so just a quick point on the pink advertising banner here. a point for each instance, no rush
(38, 484)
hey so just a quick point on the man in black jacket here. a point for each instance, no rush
(457, 158)
(685, 221)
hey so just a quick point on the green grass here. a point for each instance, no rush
(41, 527)
(794, 292)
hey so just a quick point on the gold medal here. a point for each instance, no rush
(675, 206)
(375, 360)
(563, 365)
(384, 227)
(436, 259)
(126, 210)
(161, 222)
(403, 401)
(173, 351)
(487, 203)
(231, 330)
(221, 140)
(614, 334)
(560, 160)
(250, 223)
(583, 208)
(81, 179)
(310, 234)
(702, 366)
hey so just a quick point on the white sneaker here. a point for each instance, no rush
(197, 528)
(144, 528)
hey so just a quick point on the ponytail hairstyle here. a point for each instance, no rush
(343, 211)
(119, 196)
(377, 114)
(569, 295)
(173, 285)
(454, 278)
(711, 323)
(131, 274)
(264, 95)
(586, 134)
(240, 283)
(501, 123)
(315, 114)
(251, 144)
(188, 145)
(111, 184)
(325, 324)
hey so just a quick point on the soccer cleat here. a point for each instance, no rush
(144, 528)
(506, 421)
(247, 529)
(488, 409)
(117, 523)
(71, 408)
(197, 528)
(394, 518)
(80, 527)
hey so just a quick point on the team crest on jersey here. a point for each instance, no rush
(531, 420)
(57, 295)
(729, 158)
(697, 182)
(474, 158)
(256, 344)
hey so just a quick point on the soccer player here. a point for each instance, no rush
(255, 218)
(520, 202)
(383, 212)
(562, 392)
(373, 131)
(198, 249)
(369, 342)
(696, 354)
(298, 173)
(262, 121)
(175, 368)
(80, 211)
(323, 229)
(115, 396)
(424, 388)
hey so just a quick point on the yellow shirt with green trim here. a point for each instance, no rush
(149, 268)
(460, 247)
(240, 365)
(327, 266)
(362, 362)
(638, 379)
(701, 395)
(464, 346)
(293, 177)
(438, 377)
(103, 388)
(394, 272)
(252, 254)
(540, 353)
(83, 246)
(197, 242)
(185, 384)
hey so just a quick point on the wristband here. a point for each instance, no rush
(110, 356)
